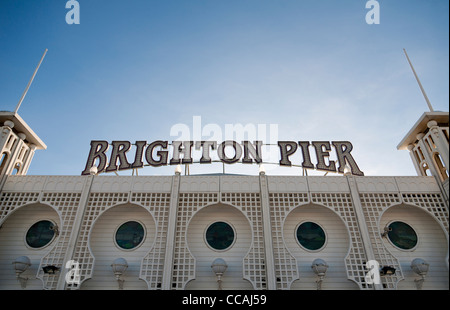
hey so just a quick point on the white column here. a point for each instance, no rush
(70, 250)
(414, 159)
(267, 231)
(15, 153)
(171, 230)
(27, 160)
(428, 157)
(5, 134)
(440, 142)
(362, 225)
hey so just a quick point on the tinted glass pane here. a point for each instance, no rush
(220, 235)
(311, 236)
(129, 235)
(402, 235)
(40, 234)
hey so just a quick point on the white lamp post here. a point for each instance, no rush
(219, 266)
(20, 265)
(119, 266)
(319, 266)
(420, 267)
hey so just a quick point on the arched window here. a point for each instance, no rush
(440, 166)
(16, 169)
(425, 170)
(3, 161)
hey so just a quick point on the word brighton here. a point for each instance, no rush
(157, 154)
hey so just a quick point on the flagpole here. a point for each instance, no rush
(420, 84)
(29, 83)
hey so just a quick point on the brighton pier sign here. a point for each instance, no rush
(157, 154)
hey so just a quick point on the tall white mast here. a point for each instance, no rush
(420, 84)
(29, 83)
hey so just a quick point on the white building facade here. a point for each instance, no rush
(271, 232)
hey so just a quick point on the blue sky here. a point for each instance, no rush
(133, 69)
